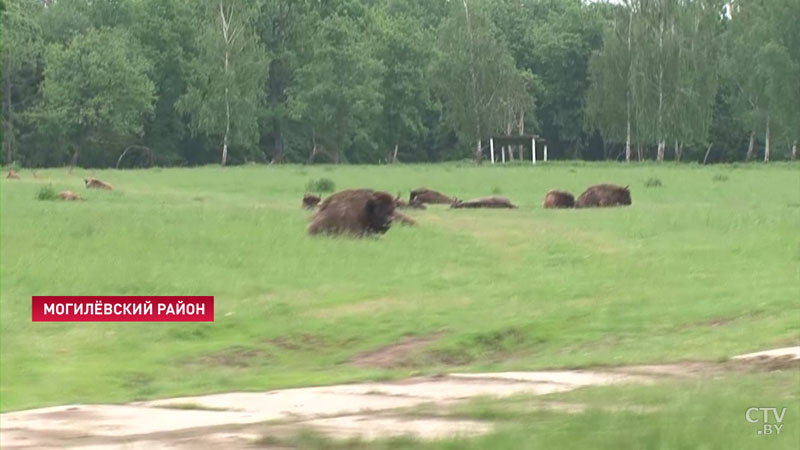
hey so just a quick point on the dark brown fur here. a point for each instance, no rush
(559, 199)
(492, 201)
(310, 201)
(604, 195)
(94, 183)
(354, 211)
(69, 196)
(425, 195)
(12, 175)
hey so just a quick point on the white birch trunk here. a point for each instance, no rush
(628, 137)
(473, 82)
(751, 147)
(521, 132)
(794, 151)
(766, 146)
(628, 92)
(228, 37)
(661, 143)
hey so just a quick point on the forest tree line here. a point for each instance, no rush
(186, 82)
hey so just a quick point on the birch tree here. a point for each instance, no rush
(610, 99)
(764, 61)
(474, 74)
(227, 78)
(337, 88)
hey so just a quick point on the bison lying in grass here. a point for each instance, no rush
(357, 212)
(425, 195)
(604, 195)
(310, 201)
(69, 196)
(94, 183)
(492, 201)
(558, 199)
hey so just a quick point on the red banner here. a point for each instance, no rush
(109, 308)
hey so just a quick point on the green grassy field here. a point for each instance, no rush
(703, 267)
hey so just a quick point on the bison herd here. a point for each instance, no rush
(91, 183)
(362, 212)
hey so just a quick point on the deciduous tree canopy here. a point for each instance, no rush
(210, 81)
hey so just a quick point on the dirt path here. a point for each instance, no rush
(367, 410)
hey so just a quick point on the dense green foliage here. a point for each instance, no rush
(188, 82)
(700, 267)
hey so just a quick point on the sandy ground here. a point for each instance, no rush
(367, 410)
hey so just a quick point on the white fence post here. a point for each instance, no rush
(533, 150)
(491, 148)
(545, 152)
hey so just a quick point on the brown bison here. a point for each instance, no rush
(492, 201)
(354, 211)
(558, 199)
(310, 201)
(603, 195)
(402, 204)
(12, 175)
(94, 183)
(69, 196)
(425, 195)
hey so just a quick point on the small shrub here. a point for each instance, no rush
(719, 178)
(496, 190)
(47, 193)
(653, 182)
(321, 185)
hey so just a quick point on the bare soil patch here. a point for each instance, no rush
(400, 354)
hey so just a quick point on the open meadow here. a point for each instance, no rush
(703, 266)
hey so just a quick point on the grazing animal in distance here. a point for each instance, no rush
(558, 199)
(425, 195)
(356, 212)
(492, 201)
(310, 201)
(604, 195)
(69, 196)
(94, 183)
(12, 175)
